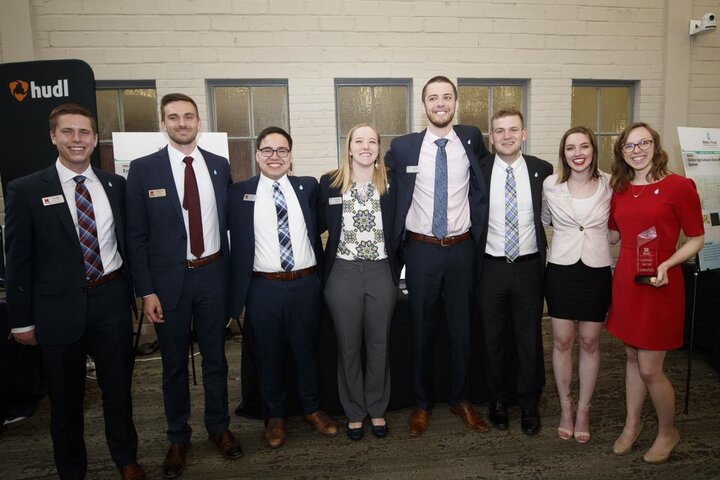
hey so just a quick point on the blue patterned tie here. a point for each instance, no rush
(512, 230)
(439, 222)
(286, 254)
(87, 230)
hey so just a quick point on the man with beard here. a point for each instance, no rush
(441, 204)
(177, 231)
(510, 285)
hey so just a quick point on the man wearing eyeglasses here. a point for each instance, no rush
(177, 234)
(274, 277)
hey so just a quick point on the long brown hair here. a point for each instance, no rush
(622, 173)
(565, 169)
(342, 177)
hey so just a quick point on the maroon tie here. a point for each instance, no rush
(191, 203)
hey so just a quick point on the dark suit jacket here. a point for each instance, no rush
(538, 170)
(330, 219)
(45, 275)
(156, 230)
(405, 151)
(241, 220)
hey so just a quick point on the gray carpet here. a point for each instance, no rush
(447, 451)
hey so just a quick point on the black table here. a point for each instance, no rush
(401, 368)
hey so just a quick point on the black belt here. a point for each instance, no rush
(521, 258)
(104, 279)
(285, 276)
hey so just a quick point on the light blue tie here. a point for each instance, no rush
(512, 230)
(287, 262)
(439, 223)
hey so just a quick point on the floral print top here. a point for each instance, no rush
(361, 237)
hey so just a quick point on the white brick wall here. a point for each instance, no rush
(180, 43)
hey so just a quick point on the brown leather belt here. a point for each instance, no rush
(104, 279)
(201, 262)
(286, 276)
(445, 242)
(521, 258)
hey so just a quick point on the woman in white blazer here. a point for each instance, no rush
(576, 202)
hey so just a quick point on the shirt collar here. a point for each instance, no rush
(451, 136)
(67, 175)
(267, 181)
(176, 156)
(499, 163)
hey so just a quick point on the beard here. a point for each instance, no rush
(182, 140)
(441, 122)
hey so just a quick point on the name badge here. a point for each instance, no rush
(412, 169)
(249, 197)
(158, 192)
(335, 200)
(55, 199)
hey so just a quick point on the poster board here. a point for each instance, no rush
(127, 146)
(701, 157)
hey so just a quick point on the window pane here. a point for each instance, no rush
(584, 107)
(605, 152)
(140, 110)
(354, 106)
(269, 107)
(107, 157)
(108, 113)
(391, 110)
(613, 108)
(242, 159)
(507, 96)
(474, 106)
(231, 110)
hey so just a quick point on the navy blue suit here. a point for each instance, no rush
(158, 251)
(435, 274)
(47, 287)
(510, 296)
(278, 313)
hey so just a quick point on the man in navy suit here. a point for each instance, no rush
(441, 207)
(274, 277)
(510, 285)
(177, 233)
(68, 289)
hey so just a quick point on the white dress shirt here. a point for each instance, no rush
(496, 222)
(267, 244)
(420, 215)
(208, 207)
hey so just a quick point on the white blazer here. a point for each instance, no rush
(573, 240)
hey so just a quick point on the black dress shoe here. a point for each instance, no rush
(498, 415)
(380, 431)
(530, 421)
(355, 434)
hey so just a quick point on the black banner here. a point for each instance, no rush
(30, 91)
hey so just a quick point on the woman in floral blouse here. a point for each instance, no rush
(360, 277)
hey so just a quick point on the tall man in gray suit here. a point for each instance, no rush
(510, 286)
(177, 199)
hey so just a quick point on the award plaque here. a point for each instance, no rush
(647, 257)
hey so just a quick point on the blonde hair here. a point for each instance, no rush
(342, 177)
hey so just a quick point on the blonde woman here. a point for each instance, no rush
(360, 277)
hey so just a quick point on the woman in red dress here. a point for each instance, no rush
(649, 318)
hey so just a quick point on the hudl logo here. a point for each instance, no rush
(20, 89)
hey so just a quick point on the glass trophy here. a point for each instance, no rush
(647, 257)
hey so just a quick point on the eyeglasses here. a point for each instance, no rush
(643, 144)
(267, 152)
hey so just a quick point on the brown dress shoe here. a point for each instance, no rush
(227, 445)
(419, 422)
(132, 471)
(174, 463)
(469, 416)
(322, 423)
(275, 433)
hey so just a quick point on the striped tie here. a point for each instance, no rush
(512, 230)
(287, 262)
(87, 230)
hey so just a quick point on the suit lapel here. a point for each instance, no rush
(117, 210)
(167, 179)
(536, 182)
(217, 182)
(304, 204)
(51, 188)
(406, 180)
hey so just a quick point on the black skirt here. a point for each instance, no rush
(578, 292)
